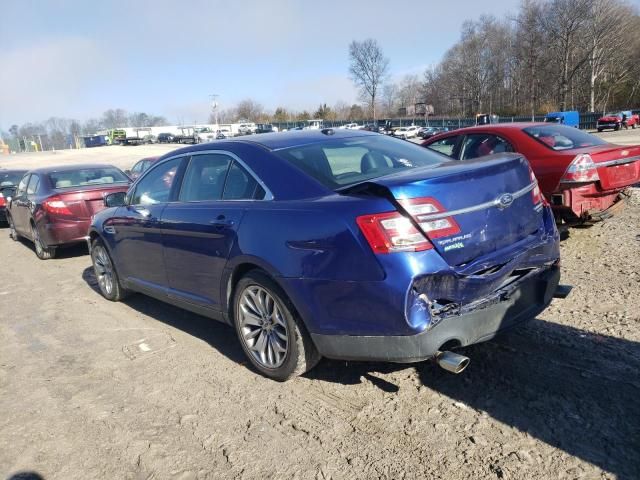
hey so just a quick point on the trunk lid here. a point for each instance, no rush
(86, 202)
(490, 200)
(618, 166)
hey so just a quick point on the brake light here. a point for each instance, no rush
(3, 202)
(582, 169)
(536, 194)
(421, 208)
(392, 232)
(56, 206)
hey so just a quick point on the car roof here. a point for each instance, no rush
(504, 126)
(280, 140)
(69, 168)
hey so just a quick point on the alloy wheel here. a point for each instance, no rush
(263, 327)
(103, 268)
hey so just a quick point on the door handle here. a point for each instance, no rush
(221, 221)
(142, 211)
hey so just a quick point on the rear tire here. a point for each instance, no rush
(599, 130)
(271, 333)
(105, 272)
(43, 252)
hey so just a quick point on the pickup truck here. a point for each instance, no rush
(617, 120)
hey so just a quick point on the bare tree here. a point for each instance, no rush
(368, 69)
(249, 109)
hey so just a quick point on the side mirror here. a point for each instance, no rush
(115, 199)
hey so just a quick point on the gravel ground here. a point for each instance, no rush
(142, 390)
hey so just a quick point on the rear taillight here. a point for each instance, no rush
(582, 169)
(422, 208)
(56, 206)
(536, 194)
(392, 232)
(3, 202)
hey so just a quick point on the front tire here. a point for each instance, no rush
(42, 251)
(13, 233)
(105, 272)
(271, 333)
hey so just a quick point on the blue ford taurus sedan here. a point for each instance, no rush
(336, 243)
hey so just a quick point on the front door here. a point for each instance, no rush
(137, 230)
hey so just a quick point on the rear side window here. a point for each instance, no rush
(480, 145)
(240, 185)
(137, 168)
(204, 179)
(559, 137)
(344, 162)
(446, 146)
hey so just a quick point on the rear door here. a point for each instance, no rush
(137, 227)
(199, 231)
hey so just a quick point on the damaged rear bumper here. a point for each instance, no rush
(477, 322)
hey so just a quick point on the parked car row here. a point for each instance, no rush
(583, 177)
(336, 243)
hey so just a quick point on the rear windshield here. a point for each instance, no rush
(559, 137)
(87, 176)
(340, 163)
(10, 178)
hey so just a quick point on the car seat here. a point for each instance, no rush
(373, 161)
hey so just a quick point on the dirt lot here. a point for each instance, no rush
(142, 390)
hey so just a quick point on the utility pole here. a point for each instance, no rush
(214, 106)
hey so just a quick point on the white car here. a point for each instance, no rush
(351, 126)
(247, 129)
(406, 132)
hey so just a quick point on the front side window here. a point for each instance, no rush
(204, 178)
(559, 137)
(446, 146)
(155, 186)
(482, 144)
(34, 183)
(22, 186)
(344, 162)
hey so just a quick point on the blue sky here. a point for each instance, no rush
(78, 58)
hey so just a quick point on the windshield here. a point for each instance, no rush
(87, 176)
(558, 137)
(340, 163)
(10, 178)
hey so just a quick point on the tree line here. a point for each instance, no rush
(551, 55)
(58, 133)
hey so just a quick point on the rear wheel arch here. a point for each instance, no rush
(241, 270)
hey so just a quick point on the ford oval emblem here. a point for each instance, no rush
(505, 200)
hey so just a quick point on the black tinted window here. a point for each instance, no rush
(240, 185)
(340, 163)
(155, 186)
(9, 178)
(204, 179)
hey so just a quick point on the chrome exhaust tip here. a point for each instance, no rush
(452, 362)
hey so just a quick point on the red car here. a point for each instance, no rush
(53, 206)
(616, 121)
(583, 177)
